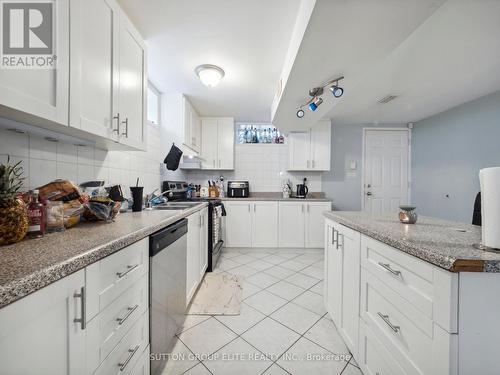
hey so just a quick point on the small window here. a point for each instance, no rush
(154, 97)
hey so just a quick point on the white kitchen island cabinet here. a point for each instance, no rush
(39, 334)
(399, 314)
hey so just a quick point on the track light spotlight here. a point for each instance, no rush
(315, 104)
(300, 113)
(337, 91)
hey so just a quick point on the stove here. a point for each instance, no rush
(215, 213)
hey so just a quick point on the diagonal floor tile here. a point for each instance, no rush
(238, 357)
(275, 259)
(243, 259)
(265, 302)
(227, 264)
(180, 360)
(279, 272)
(243, 271)
(192, 320)
(248, 289)
(305, 358)
(295, 317)
(293, 265)
(260, 264)
(286, 290)
(325, 333)
(351, 370)
(317, 273)
(198, 370)
(270, 337)
(302, 280)
(240, 323)
(275, 370)
(311, 301)
(262, 280)
(318, 288)
(207, 337)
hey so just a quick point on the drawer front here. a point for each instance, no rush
(374, 359)
(127, 353)
(142, 366)
(408, 276)
(111, 276)
(108, 328)
(407, 333)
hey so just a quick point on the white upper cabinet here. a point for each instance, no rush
(217, 146)
(192, 127)
(183, 118)
(311, 150)
(132, 86)
(26, 94)
(94, 67)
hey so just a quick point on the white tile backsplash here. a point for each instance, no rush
(264, 166)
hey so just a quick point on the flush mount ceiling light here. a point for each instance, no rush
(209, 75)
(316, 92)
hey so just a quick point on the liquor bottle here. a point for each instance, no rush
(36, 216)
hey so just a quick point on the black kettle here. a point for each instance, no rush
(302, 189)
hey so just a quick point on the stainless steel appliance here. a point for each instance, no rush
(167, 289)
(215, 213)
(238, 189)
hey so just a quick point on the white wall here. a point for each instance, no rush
(263, 165)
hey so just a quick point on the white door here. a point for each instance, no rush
(132, 92)
(43, 324)
(193, 255)
(265, 224)
(315, 227)
(386, 177)
(209, 143)
(225, 158)
(291, 224)
(333, 275)
(94, 63)
(203, 241)
(300, 151)
(321, 140)
(42, 92)
(349, 245)
(238, 224)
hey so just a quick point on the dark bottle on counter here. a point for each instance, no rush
(36, 216)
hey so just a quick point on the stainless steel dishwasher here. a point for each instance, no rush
(167, 289)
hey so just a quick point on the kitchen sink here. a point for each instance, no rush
(175, 205)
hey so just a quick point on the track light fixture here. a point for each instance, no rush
(316, 92)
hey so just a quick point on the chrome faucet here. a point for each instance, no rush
(150, 197)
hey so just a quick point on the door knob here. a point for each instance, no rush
(369, 193)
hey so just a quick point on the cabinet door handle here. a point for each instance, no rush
(338, 242)
(117, 118)
(214, 163)
(193, 141)
(308, 164)
(385, 318)
(83, 308)
(129, 269)
(248, 208)
(125, 363)
(126, 127)
(219, 163)
(312, 162)
(333, 235)
(307, 208)
(130, 311)
(302, 208)
(254, 207)
(388, 267)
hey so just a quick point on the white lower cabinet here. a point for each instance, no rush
(39, 335)
(197, 251)
(301, 224)
(251, 224)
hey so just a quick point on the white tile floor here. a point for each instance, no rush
(283, 327)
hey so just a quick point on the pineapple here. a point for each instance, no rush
(13, 211)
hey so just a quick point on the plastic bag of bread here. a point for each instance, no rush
(72, 197)
(101, 209)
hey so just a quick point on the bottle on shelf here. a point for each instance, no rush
(36, 216)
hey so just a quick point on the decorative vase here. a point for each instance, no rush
(13, 222)
(407, 215)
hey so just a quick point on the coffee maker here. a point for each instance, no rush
(302, 190)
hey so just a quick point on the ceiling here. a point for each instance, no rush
(247, 38)
(433, 54)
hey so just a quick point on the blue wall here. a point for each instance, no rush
(448, 150)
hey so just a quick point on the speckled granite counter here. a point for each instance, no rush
(446, 244)
(277, 196)
(30, 265)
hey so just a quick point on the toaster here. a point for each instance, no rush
(238, 189)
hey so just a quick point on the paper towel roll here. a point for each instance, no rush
(490, 206)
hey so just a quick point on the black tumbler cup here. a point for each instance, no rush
(136, 197)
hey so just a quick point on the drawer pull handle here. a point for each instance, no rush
(83, 308)
(129, 269)
(385, 318)
(340, 235)
(125, 363)
(333, 236)
(387, 266)
(130, 310)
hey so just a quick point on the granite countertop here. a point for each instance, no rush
(446, 244)
(32, 264)
(277, 196)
